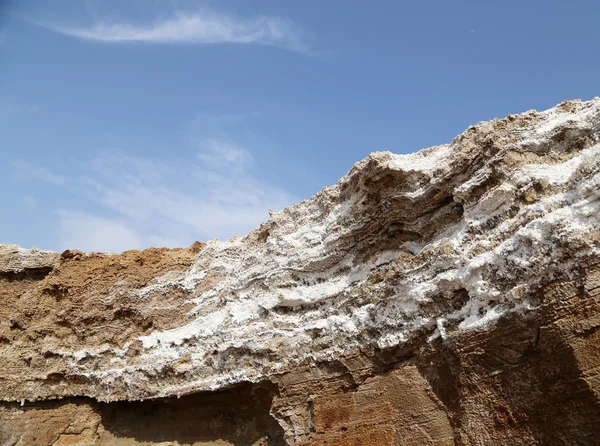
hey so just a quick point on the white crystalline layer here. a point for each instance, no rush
(298, 294)
(426, 161)
(13, 258)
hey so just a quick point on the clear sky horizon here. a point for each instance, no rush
(126, 124)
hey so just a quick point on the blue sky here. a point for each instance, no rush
(133, 123)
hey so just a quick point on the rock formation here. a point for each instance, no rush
(447, 297)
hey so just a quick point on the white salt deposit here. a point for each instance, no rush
(299, 288)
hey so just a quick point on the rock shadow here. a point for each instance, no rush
(516, 382)
(239, 415)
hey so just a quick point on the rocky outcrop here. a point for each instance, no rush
(449, 296)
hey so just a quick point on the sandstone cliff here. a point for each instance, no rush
(445, 297)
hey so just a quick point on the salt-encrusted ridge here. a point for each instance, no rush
(16, 259)
(449, 238)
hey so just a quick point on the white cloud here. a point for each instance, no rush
(169, 203)
(25, 169)
(88, 233)
(224, 155)
(202, 27)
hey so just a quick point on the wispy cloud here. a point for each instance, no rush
(200, 27)
(211, 187)
(224, 155)
(148, 202)
(25, 169)
(89, 233)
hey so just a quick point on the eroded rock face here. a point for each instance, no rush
(444, 297)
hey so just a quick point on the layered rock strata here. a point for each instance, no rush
(449, 296)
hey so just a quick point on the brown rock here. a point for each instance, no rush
(448, 297)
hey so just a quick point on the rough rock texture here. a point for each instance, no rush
(446, 297)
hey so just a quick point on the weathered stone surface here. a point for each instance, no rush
(445, 297)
